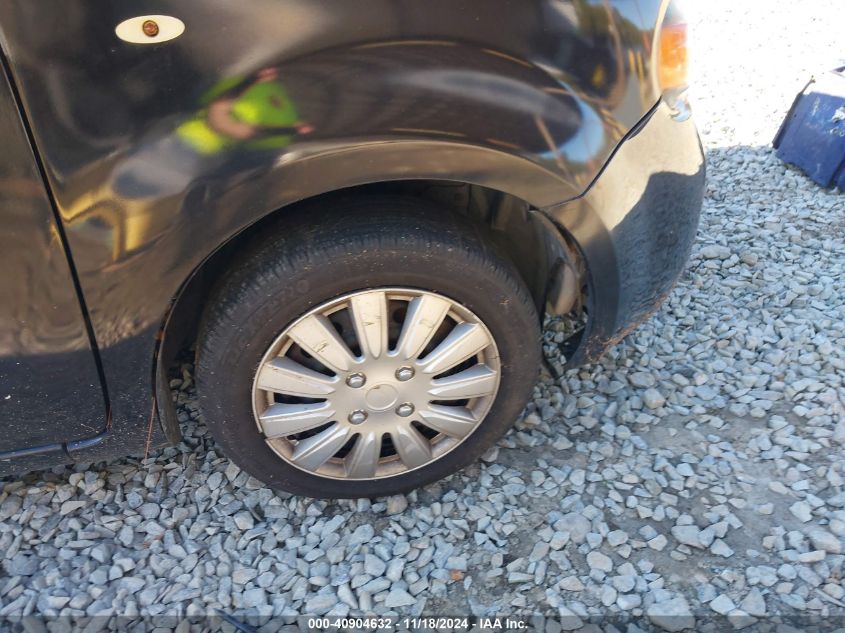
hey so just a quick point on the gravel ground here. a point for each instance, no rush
(696, 471)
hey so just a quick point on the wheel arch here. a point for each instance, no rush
(545, 257)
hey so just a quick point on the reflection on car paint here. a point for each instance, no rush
(238, 114)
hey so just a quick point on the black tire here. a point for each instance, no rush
(364, 243)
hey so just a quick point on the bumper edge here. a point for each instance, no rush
(635, 227)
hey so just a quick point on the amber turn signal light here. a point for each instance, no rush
(673, 63)
(672, 50)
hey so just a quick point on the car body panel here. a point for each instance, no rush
(158, 154)
(50, 391)
(636, 225)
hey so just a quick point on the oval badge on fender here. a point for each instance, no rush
(150, 29)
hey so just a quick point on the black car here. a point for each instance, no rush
(358, 213)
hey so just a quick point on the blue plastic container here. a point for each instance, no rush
(812, 137)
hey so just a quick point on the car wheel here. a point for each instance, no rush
(367, 353)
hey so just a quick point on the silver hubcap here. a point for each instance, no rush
(376, 383)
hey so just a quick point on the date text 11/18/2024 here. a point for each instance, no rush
(420, 623)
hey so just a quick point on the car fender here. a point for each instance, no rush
(151, 173)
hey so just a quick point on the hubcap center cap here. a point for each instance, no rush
(381, 397)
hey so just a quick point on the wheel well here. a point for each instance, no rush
(547, 259)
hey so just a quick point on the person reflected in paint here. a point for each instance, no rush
(253, 114)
